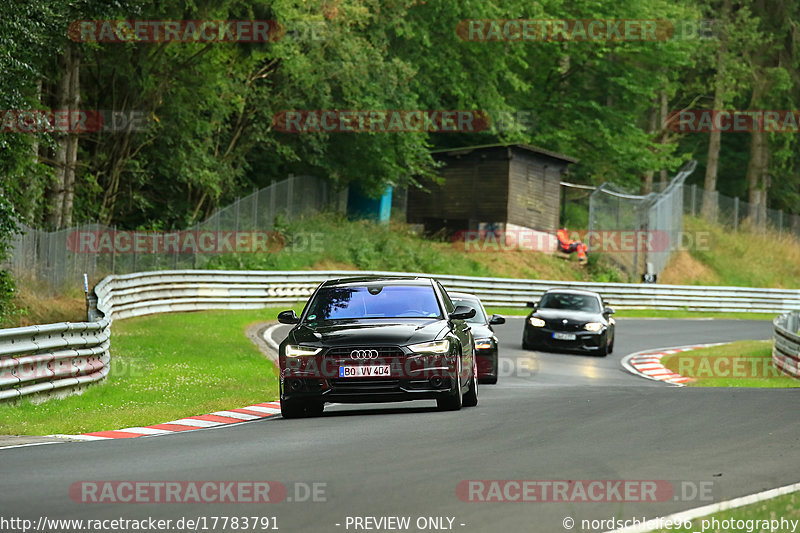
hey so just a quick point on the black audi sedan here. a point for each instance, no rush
(487, 347)
(377, 339)
(570, 320)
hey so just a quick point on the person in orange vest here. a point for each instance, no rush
(567, 245)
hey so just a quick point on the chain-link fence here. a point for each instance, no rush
(736, 214)
(638, 233)
(59, 258)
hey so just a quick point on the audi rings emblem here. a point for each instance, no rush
(364, 354)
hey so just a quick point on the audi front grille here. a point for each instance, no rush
(363, 352)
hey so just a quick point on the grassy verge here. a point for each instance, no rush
(164, 367)
(718, 256)
(329, 241)
(647, 313)
(738, 364)
(786, 507)
(34, 303)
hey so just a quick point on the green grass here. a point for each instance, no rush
(679, 313)
(647, 313)
(164, 367)
(738, 364)
(328, 240)
(786, 506)
(762, 258)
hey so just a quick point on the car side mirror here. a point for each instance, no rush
(608, 311)
(532, 305)
(462, 312)
(497, 319)
(288, 317)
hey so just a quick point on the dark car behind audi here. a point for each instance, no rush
(570, 320)
(487, 347)
(377, 339)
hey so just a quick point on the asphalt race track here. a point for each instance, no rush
(555, 417)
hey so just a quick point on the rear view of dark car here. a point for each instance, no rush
(377, 340)
(487, 347)
(570, 320)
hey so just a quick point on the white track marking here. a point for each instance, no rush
(707, 510)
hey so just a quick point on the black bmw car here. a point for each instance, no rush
(487, 347)
(374, 339)
(570, 320)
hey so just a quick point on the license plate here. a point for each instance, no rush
(565, 336)
(367, 371)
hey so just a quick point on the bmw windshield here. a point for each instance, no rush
(570, 302)
(373, 301)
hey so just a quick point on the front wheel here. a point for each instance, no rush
(604, 349)
(492, 380)
(471, 397)
(454, 400)
(300, 408)
(527, 345)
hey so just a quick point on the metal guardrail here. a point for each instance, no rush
(59, 358)
(786, 349)
(188, 290)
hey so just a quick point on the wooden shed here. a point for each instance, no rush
(505, 185)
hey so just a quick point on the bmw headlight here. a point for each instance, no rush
(536, 322)
(442, 346)
(483, 344)
(293, 350)
(593, 326)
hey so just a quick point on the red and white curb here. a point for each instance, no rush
(219, 418)
(647, 364)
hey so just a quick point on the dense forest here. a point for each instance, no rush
(186, 125)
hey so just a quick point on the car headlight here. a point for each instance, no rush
(442, 346)
(483, 344)
(293, 350)
(593, 326)
(536, 322)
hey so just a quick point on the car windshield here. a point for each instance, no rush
(374, 301)
(479, 317)
(570, 302)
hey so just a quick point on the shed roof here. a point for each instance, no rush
(464, 150)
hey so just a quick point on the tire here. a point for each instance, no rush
(526, 345)
(315, 408)
(603, 348)
(300, 409)
(454, 400)
(492, 380)
(611, 347)
(471, 397)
